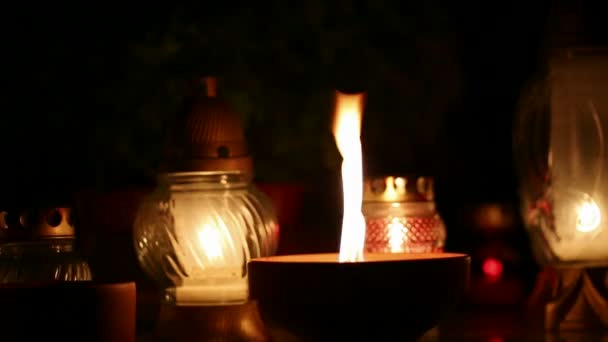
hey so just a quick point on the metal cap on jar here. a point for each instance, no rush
(207, 136)
(24, 224)
(398, 189)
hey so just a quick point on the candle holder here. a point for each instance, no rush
(38, 244)
(211, 323)
(580, 301)
(400, 216)
(196, 232)
(562, 157)
(387, 297)
(353, 296)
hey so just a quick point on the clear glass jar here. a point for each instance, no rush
(39, 245)
(561, 152)
(41, 261)
(401, 218)
(195, 234)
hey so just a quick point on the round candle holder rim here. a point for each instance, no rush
(205, 181)
(76, 284)
(196, 175)
(332, 258)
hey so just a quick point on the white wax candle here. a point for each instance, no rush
(590, 251)
(235, 292)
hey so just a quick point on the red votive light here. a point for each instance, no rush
(492, 268)
(403, 234)
(401, 216)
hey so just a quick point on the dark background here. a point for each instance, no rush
(89, 90)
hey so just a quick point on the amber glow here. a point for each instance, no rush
(210, 241)
(396, 234)
(589, 216)
(347, 132)
(369, 257)
(395, 187)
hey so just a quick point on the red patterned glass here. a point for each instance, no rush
(402, 218)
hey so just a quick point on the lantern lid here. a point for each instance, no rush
(398, 189)
(207, 136)
(36, 223)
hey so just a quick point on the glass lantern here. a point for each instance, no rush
(561, 150)
(196, 232)
(39, 245)
(401, 216)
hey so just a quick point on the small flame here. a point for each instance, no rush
(210, 241)
(396, 235)
(394, 188)
(347, 132)
(589, 216)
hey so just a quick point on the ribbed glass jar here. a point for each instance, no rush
(41, 261)
(195, 234)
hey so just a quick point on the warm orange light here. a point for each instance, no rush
(396, 235)
(347, 133)
(589, 216)
(210, 241)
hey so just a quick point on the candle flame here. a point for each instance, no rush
(210, 241)
(396, 235)
(589, 216)
(394, 188)
(347, 132)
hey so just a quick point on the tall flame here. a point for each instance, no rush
(347, 132)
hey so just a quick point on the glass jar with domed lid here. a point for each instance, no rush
(196, 232)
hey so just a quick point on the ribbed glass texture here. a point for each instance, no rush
(41, 261)
(195, 234)
(403, 227)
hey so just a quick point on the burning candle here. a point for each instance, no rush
(401, 216)
(572, 225)
(346, 303)
(196, 232)
(215, 263)
(347, 132)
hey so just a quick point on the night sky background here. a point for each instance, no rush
(88, 91)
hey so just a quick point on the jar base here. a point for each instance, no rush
(572, 298)
(211, 323)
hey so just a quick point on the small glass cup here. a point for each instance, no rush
(401, 216)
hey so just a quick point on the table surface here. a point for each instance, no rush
(494, 325)
(500, 326)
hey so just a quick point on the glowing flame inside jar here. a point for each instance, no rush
(394, 188)
(588, 216)
(210, 241)
(396, 233)
(212, 257)
(347, 132)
